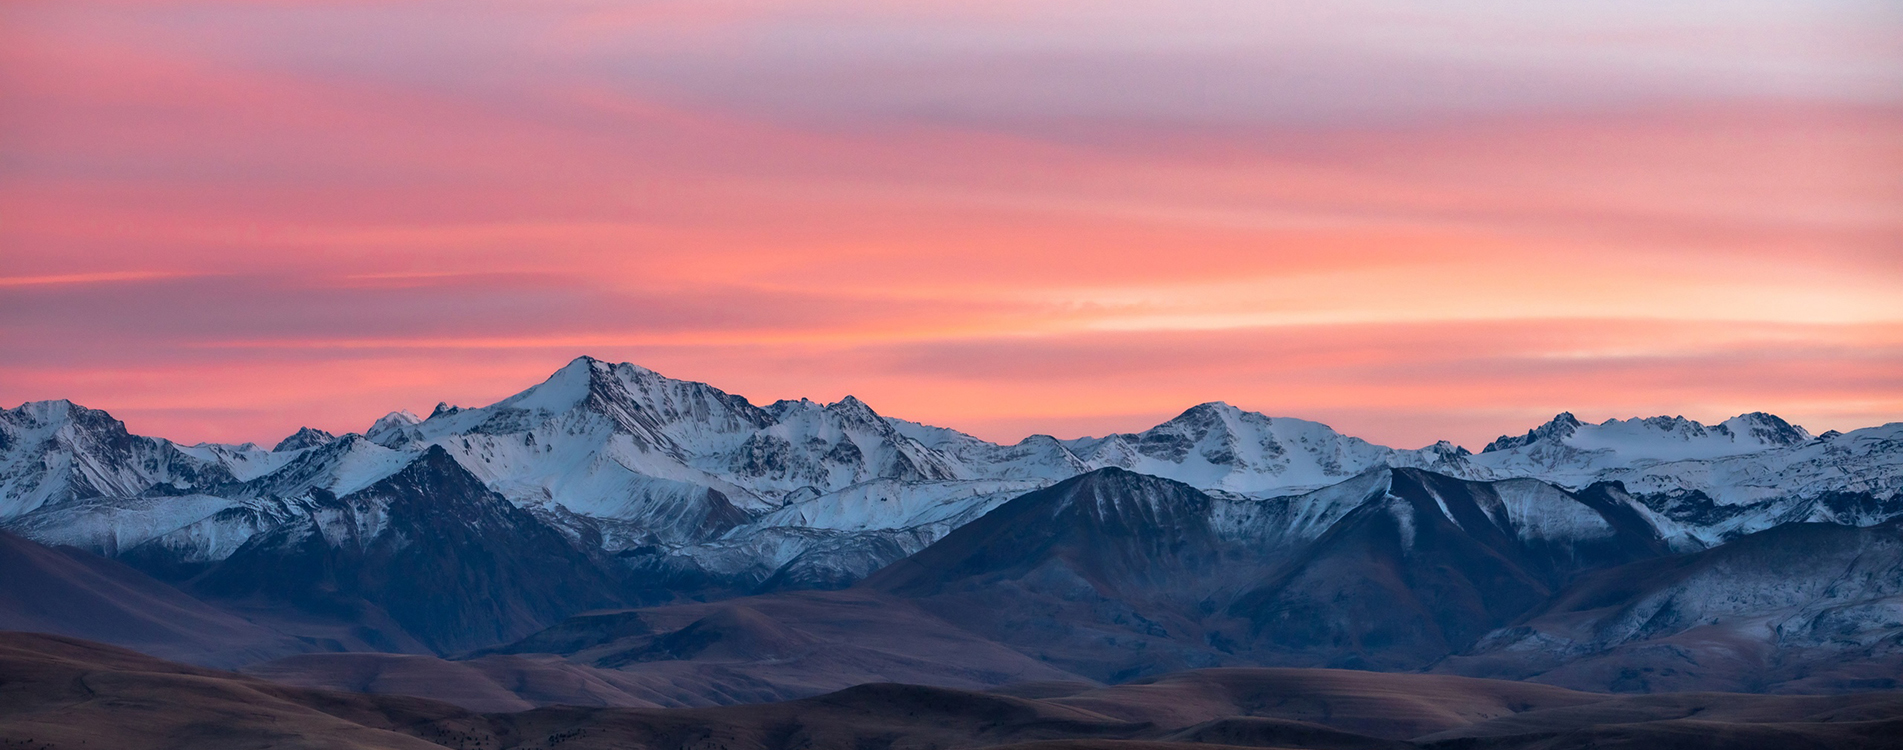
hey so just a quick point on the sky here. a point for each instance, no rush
(1410, 220)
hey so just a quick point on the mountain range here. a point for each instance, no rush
(614, 537)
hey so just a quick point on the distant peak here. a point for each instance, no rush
(1208, 409)
(585, 362)
(61, 412)
(1559, 427)
(443, 409)
(1447, 449)
(58, 404)
(41, 410)
(395, 429)
(1201, 418)
(398, 418)
(1768, 428)
(305, 437)
(852, 406)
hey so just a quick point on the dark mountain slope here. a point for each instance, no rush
(1115, 575)
(1108, 574)
(1112, 528)
(454, 565)
(1800, 607)
(1432, 565)
(72, 592)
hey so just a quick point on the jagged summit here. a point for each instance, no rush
(55, 451)
(1767, 428)
(1216, 445)
(54, 414)
(395, 430)
(305, 437)
(1559, 427)
(1752, 431)
(851, 407)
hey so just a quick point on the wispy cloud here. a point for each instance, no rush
(106, 277)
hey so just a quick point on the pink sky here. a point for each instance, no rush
(221, 221)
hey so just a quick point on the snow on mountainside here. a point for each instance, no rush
(1113, 574)
(55, 451)
(1804, 606)
(1570, 451)
(305, 437)
(1218, 446)
(1707, 484)
(703, 483)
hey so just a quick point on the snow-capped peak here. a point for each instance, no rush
(53, 413)
(852, 409)
(1766, 429)
(1215, 445)
(394, 430)
(1557, 428)
(305, 437)
(397, 419)
(1661, 438)
(562, 391)
(1572, 452)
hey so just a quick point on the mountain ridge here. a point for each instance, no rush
(1207, 539)
(702, 485)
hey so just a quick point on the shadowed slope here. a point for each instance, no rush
(1798, 608)
(1431, 566)
(72, 592)
(1105, 575)
(64, 693)
(1111, 528)
(1114, 575)
(452, 563)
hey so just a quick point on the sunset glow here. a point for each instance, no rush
(222, 220)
